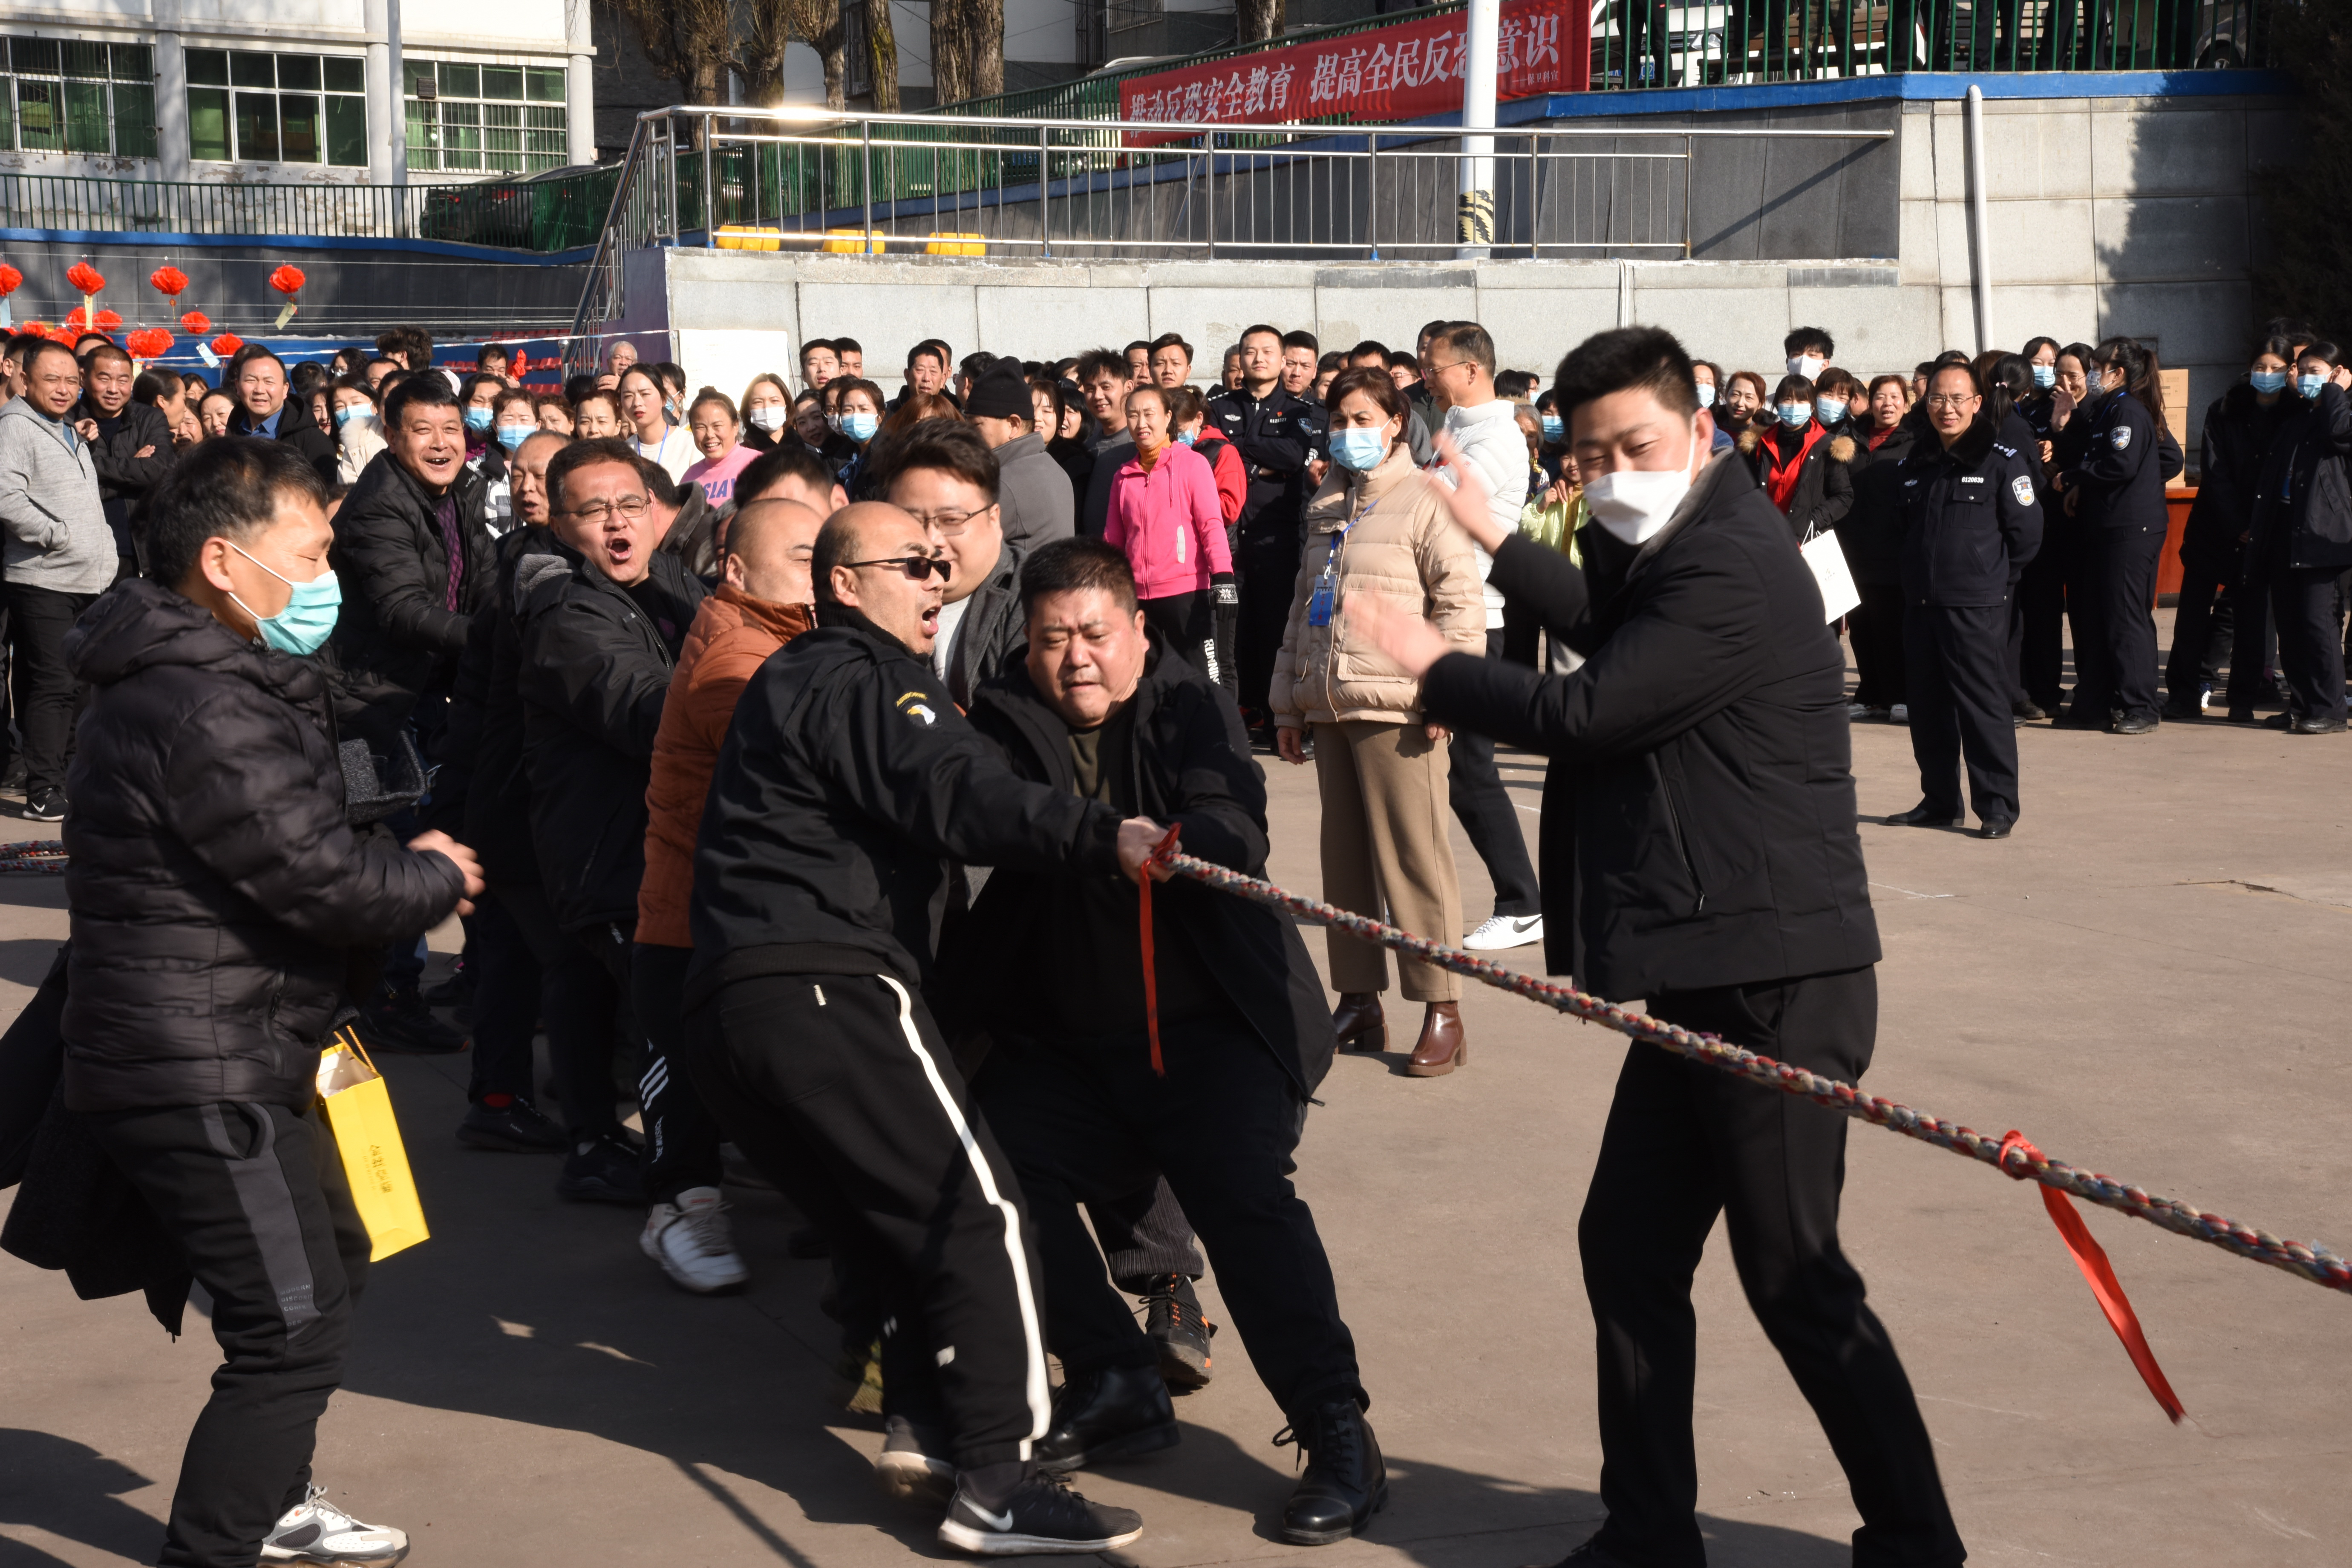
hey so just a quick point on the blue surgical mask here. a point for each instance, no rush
(2267, 380)
(1830, 409)
(1186, 437)
(2309, 385)
(1706, 394)
(669, 413)
(308, 617)
(1357, 449)
(1795, 415)
(2045, 376)
(1554, 427)
(859, 427)
(345, 415)
(513, 436)
(477, 420)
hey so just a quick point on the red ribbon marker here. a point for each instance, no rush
(1160, 857)
(2092, 1259)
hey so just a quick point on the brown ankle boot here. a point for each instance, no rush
(1357, 1022)
(1442, 1046)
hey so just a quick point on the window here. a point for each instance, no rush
(465, 117)
(70, 95)
(260, 108)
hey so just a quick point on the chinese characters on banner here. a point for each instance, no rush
(1401, 72)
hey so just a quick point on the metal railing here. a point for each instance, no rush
(541, 215)
(797, 180)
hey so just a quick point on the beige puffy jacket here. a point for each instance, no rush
(1405, 548)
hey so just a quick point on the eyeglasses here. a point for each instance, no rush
(631, 508)
(1947, 400)
(949, 523)
(916, 567)
(1450, 364)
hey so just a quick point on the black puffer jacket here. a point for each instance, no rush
(216, 890)
(397, 637)
(123, 475)
(1192, 771)
(2303, 493)
(1700, 801)
(2238, 433)
(1871, 533)
(1824, 491)
(482, 797)
(595, 667)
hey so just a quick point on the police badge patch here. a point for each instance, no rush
(2120, 436)
(2022, 489)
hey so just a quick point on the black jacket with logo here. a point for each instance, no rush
(2112, 461)
(1274, 433)
(1970, 521)
(1698, 823)
(847, 783)
(595, 668)
(1191, 768)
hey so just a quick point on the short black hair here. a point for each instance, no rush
(21, 344)
(658, 484)
(847, 346)
(786, 460)
(582, 455)
(1074, 565)
(2035, 345)
(228, 488)
(417, 391)
(106, 350)
(1095, 362)
(932, 348)
(1809, 338)
(949, 446)
(1302, 340)
(1651, 358)
(1138, 344)
(487, 350)
(1514, 384)
(1259, 329)
(1368, 348)
(813, 344)
(576, 387)
(1171, 341)
(33, 355)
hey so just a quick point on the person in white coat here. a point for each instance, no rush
(1481, 432)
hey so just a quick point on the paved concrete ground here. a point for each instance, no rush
(2149, 979)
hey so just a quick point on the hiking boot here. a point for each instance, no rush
(1346, 1482)
(692, 1242)
(316, 1531)
(1042, 1515)
(1173, 1320)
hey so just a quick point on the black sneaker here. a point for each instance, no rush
(1043, 1515)
(398, 1022)
(456, 990)
(1116, 1413)
(1172, 1316)
(912, 1467)
(49, 805)
(609, 1170)
(1346, 1481)
(519, 1128)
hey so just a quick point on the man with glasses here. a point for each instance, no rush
(603, 614)
(1970, 526)
(943, 475)
(847, 785)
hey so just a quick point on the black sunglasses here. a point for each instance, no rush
(916, 567)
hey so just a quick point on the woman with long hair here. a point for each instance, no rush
(2113, 489)
(1871, 535)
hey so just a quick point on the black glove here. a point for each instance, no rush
(1223, 589)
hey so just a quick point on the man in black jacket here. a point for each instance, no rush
(847, 781)
(1089, 1107)
(1274, 432)
(263, 409)
(218, 901)
(1970, 526)
(129, 444)
(1700, 804)
(601, 616)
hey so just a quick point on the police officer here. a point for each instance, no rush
(1274, 433)
(2302, 542)
(2114, 490)
(1970, 525)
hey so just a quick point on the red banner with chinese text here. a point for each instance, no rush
(1401, 72)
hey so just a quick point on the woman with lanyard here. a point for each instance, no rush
(652, 421)
(2113, 489)
(1798, 463)
(1379, 526)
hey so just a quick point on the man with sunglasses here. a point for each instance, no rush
(848, 782)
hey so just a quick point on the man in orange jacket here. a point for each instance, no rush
(764, 602)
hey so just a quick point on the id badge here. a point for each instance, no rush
(1319, 602)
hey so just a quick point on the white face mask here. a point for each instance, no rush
(1807, 365)
(1634, 504)
(769, 417)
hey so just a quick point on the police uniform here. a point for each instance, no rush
(1274, 433)
(2120, 524)
(1970, 523)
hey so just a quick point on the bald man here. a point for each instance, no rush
(847, 783)
(762, 604)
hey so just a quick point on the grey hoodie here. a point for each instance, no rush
(54, 527)
(1033, 491)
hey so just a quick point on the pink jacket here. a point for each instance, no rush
(1169, 524)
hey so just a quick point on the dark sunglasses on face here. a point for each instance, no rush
(917, 567)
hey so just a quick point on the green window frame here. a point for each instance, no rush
(77, 95)
(248, 107)
(486, 118)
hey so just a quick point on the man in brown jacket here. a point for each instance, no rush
(764, 602)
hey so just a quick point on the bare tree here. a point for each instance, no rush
(1257, 19)
(689, 41)
(951, 49)
(986, 25)
(774, 24)
(882, 55)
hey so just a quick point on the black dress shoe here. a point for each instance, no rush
(2129, 725)
(1996, 826)
(1117, 1413)
(1925, 815)
(2028, 710)
(2309, 726)
(1345, 1483)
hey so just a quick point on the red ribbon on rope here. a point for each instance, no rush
(1160, 857)
(2092, 1259)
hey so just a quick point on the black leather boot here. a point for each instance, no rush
(1345, 1483)
(1118, 1413)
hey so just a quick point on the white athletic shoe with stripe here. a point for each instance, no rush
(316, 1531)
(693, 1243)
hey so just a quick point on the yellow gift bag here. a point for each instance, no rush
(359, 1109)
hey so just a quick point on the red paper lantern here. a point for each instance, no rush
(168, 281)
(287, 280)
(10, 280)
(196, 323)
(226, 344)
(150, 342)
(77, 320)
(110, 321)
(86, 279)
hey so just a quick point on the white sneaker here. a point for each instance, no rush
(1899, 714)
(691, 1241)
(1505, 931)
(316, 1531)
(1857, 709)
(910, 1468)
